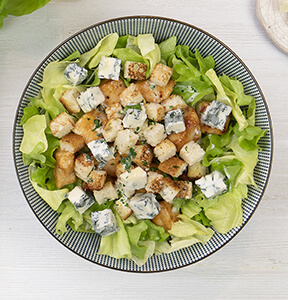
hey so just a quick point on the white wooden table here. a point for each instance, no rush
(33, 265)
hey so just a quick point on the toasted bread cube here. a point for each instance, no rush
(155, 182)
(192, 153)
(165, 150)
(141, 130)
(161, 74)
(174, 102)
(169, 190)
(196, 171)
(185, 189)
(90, 125)
(111, 129)
(84, 164)
(112, 90)
(155, 134)
(122, 208)
(96, 180)
(72, 142)
(135, 70)
(173, 166)
(111, 164)
(114, 111)
(122, 168)
(63, 178)
(131, 95)
(155, 111)
(61, 125)
(144, 156)
(68, 99)
(107, 193)
(125, 140)
(64, 160)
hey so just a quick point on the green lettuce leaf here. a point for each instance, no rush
(168, 48)
(204, 63)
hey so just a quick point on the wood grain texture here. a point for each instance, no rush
(33, 265)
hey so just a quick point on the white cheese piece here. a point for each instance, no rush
(212, 184)
(80, 199)
(109, 68)
(174, 121)
(144, 205)
(101, 152)
(75, 74)
(90, 99)
(215, 115)
(135, 179)
(135, 116)
(104, 222)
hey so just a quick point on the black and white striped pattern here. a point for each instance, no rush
(86, 245)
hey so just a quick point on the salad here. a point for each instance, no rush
(141, 143)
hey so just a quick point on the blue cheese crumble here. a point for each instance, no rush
(90, 99)
(104, 222)
(135, 116)
(109, 68)
(80, 199)
(144, 205)
(101, 152)
(215, 115)
(174, 121)
(75, 74)
(212, 184)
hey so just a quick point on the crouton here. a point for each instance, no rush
(68, 99)
(196, 171)
(111, 129)
(72, 142)
(173, 166)
(122, 208)
(192, 153)
(169, 190)
(161, 74)
(155, 134)
(165, 150)
(155, 93)
(125, 140)
(63, 178)
(96, 180)
(185, 189)
(143, 157)
(110, 166)
(135, 70)
(64, 160)
(166, 216)
(111, 90)
(107, 193)
(114, 111)
(131, 95)
(61, 125)
(84, 164)
(155, 182)
(122, 168)
(155, 111)
(89, 126)
(141, 130)
(90, 98)
(174, 102)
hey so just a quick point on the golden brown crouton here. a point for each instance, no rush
(122, 208)
(72, 142)
(111, 129)
(169, 190)
(173, 166)
(114, 111)
(144, 156)
(166, 216)
(112, 89)
(165, 150)
(110, 166)
(161, 74)
(155, 111)
(155, 182)
(155, 93)
(131, 95)
(135, 70)
(64, 160)
(63, 178)
(84, 164)
(61, 125)
(196, 171)
(185, 189)
(174, 102)
(107, 193)
(90, 124)
(68, 99)
(192, 132)
(96, 180)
